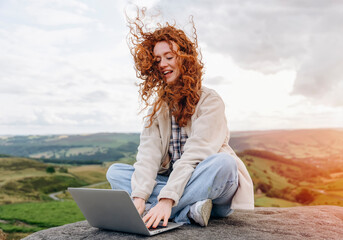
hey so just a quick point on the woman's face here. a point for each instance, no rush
(167, 61)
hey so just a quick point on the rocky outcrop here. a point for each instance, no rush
(314, 222)
(2, 235)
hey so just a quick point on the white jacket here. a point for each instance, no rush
(207, 134)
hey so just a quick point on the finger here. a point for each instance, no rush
(150, 213)
(157, 221)
(151, 221)
(165, 222)
(146, 217)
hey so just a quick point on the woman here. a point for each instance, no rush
(185, 169)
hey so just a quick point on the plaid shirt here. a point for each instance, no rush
(178, 138)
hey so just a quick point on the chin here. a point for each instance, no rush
(170, 81)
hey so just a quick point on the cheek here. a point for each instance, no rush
(176, 66)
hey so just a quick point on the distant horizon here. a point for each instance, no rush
(112, 132)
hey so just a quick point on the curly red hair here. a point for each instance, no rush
(181, 96)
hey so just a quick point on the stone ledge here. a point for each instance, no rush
(313, 222)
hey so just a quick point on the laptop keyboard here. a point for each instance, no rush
(158, 227)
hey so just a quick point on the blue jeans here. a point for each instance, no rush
(214, 178)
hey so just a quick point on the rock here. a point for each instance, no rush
(2, 235)
(313, 222)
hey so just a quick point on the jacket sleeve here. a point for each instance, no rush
(148, 161)
(209, 129)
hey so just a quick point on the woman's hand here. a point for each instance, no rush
(161, 211)
(139, 204)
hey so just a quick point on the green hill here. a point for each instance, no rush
(23, 179)
(25, 206)
(84, 149)
(25, 185)
(282, 182)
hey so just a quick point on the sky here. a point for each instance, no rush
(65, 66)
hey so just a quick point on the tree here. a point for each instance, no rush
(304, 197)
(50, 169)
(63, 170)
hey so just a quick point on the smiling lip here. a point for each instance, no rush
(168, 73)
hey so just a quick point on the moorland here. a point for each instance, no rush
(288, 168)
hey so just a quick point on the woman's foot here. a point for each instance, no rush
(200, 212)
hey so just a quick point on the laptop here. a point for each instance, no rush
(113, 210)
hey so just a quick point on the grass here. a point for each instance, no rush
(263, 201)
(279, 176)
(261, 170)
(16, 164)
(26, 180)
(15, 226)
(33, 186)
(17, 235)
(105, 185)
(39, 215)
(336, 185)
(104, 146)
(127, 160)
(66, 194)
(89, 173)
(337, 193)
(328, 200)
(23, 180)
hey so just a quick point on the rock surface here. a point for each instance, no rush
(2, 235)
(313, 222)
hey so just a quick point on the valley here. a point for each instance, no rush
(288, 167)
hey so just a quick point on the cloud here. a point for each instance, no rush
(270, 36)
(55, 13)
(217, 80)
(321, 75)
(96, 96)
(65, 65)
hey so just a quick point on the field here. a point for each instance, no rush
(25, 185)
(322, 148)
(30, 217)
(23, 180)
(288, 168)
(264, 201)
(276, 184)
(282, 183)
(84, 149)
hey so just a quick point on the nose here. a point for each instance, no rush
(163, 63)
